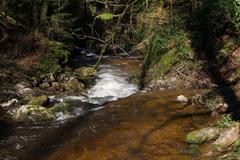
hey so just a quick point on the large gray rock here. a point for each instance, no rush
(202, 135)
(227, 138)
(32, 113)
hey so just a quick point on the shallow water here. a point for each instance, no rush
(143, 126)
(148, 126)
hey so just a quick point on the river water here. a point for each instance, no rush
(125, 124)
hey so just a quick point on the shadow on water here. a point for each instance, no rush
(207, 25)
(55, 139)
(161, 125)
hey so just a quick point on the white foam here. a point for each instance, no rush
(111, 84)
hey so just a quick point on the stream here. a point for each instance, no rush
(124, 124)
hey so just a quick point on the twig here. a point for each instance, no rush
(91, 37)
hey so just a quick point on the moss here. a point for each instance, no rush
(73, 85)
(39, 100)
(165, 64)
(202, 135)
(32, 113)
(86, 71)
(60, 107)
(168, 60)
(236, 144)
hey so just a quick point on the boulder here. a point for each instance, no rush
(10, 103)
(39, 100)
(202, 135)
(23, 88)
(56, 85)
(60, 107)
(222, 108)
(44, 85)
(32, 113)
(86, 71)
(182, 99)
(73, 85)
(227, 138)
(49, 78)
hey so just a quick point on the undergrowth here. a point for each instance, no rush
(168, 46)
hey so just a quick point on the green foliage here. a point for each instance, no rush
(61, 21)
(225, 121)
(236, 18)
(231, 9)
(49, 66)
(167, 61)
(58, 55)
(168, 46)
(59, 51)
(105, 16)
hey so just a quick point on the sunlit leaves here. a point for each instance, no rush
(105, 16)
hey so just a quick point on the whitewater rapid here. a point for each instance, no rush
(111, 84)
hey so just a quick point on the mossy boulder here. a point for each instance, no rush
(32, 113)
(236, 144)
(38, 100)
(44, 85)
(202, 135)
(60, 107)
(227, 138)
(86, 71)
(73, 85)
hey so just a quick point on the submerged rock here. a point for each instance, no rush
(32, 113)
(193, 150)
(182, 99)
(39, 100)
(86, 71)
(202, 135)
(227, 138)
(73, 85)
(60, 107)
